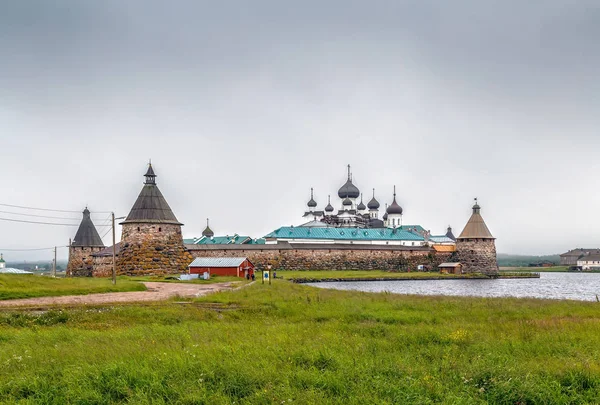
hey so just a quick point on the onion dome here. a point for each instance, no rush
(329, 208)
(347, 202)
(385, 216)
(361, 206)
(312, 203)
(373, 204)
(349, 190)
(207, 231)
(394, 208)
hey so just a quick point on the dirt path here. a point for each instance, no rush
(156, 292)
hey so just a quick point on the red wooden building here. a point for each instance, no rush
(222, 266)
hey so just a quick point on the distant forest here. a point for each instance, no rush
(506, 260)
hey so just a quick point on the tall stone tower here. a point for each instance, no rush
(151, 241)
(476, 247)
(86, 242)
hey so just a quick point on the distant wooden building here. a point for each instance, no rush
(450, 268)
(223, 266)
(589, 262)
(572, 257)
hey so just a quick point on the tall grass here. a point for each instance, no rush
(288, 343)
(26, 286)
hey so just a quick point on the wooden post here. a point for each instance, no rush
(54, 264)
(114, 266)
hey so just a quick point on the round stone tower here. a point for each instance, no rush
(87, 241)
(476, 247)
(151, 240)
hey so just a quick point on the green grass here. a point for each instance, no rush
(366, 274)
(294, 344)
(27, 286)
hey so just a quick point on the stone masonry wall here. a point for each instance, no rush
(152, 249)
(103, 266)
(477, 255)
(333, 259)
(81, 261)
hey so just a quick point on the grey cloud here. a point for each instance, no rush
(243, 106)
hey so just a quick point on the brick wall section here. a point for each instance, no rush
(477, 255)
(151, 249)
(330, 258)
(81, 262)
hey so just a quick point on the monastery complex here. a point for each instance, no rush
(351, 237)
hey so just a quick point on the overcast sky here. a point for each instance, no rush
(243, 106)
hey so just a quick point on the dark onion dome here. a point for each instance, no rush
(329, 208)
(312, 203)
(87, 235)
(349, 190)
(373, 204)
(347, 202)
(394, 208)
(385, 216)
(207, 231)
(361, 206)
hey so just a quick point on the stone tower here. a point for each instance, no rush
(476, 247)
(151, 241)
(86, 242)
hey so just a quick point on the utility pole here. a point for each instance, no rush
(54, 264)
(114, 269)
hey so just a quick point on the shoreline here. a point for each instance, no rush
(358, 279)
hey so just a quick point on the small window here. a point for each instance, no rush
(159, 229)
(138, 228)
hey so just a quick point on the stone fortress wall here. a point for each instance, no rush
(477, 255)
(150, 249)
(328, 257)
(81, 261)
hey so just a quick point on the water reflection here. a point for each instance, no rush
(572, 286)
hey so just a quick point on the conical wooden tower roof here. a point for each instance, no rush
(476, 227)
(151, 206)
(87, 235)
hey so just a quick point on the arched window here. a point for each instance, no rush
(138, 228)
(159, 229)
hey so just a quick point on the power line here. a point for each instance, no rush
(38, 216)
(31, 250)
(45, 223)
(36, 222)
(106, 233)
(52, 210)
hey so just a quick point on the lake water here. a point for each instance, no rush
(571, 286)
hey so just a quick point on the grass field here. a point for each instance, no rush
(288, 343)
(27, 286)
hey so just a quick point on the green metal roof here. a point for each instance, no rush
(223, 240)
(344, 234)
